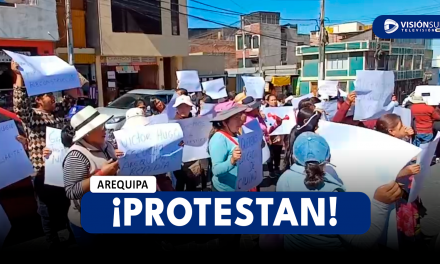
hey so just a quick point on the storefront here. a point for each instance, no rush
(30, 48)
(123, 74)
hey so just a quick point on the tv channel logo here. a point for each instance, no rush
(390, 26)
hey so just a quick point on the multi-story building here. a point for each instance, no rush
(408, 58)
(266, 42)
(214, 41)
(139, 44)
(30, 28)
(84, 57)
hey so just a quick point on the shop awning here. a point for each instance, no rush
(280, 80)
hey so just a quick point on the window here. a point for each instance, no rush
(408, 63)
(175, 22)
(401, 63)
(417, 62)
(239, 43)
(135, 17)
(255, 42)
(343, 86)
(337, 61)
(392, 62)
(283, 54)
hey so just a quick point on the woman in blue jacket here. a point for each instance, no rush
(311, 153)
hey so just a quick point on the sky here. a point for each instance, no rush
(336, 11)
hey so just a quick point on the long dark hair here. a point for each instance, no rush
(314, 175)
(304, 116)
(67, 134)
(216, 126)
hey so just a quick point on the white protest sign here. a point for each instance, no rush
(425, 159)
(189, 80)
(374, 90)
(157, 119)
(150, 150)
(13, 157)
(295, 101)
(250, 165)
(169, 109)
(282, 112)
(364, 165)
(430, 94)
(405, 115)
(45, 74)
(254, 86)
(215, 89)
(207, 109)
(329, 88)
(5, 226)
(54, 165)
(330, 109)
(254, 126)
(195, 136)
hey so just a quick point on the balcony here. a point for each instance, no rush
(36, 21)
(78, 28)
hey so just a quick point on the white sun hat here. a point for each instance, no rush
(183, 99)
(86, 120)
(135, 117)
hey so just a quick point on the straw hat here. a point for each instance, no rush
(134, 118)
(239, 97)
(417, 99)
(86, 120)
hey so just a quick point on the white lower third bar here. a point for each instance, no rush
(123, 184)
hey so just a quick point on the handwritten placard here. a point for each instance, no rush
(374, 90)
(54, 165)
(215, 89)
(329, 88)
(150, 150)
(158, 119)
(13, 157)
(189, 80)
(250, 165)
(207, 109)
(45, 74)
(254, 126)
(195, 136)
(254, 86)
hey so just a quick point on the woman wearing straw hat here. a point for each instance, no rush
(89, 155)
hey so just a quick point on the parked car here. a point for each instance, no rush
(119, 107)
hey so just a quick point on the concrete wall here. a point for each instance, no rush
(270, 47)
(204, 64)
(136, 44)
(32, 22)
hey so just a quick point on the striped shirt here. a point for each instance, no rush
(76, 168)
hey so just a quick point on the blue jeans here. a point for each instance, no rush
(422, 139)
(83, 239)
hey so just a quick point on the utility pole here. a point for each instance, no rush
(243, 35)
(377, 54)
(69, 33)
(322, 40)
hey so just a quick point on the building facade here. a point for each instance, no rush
(409, 59)
(139, 45)
(84, 57)
(30, 28)
(267, 43)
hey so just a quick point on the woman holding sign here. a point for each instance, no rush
(89, 155)
(275, 145)
(311, 153)
(408, 214)
(36, 114)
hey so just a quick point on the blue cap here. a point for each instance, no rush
(310, 147)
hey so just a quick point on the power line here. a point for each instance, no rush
(210, 21)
